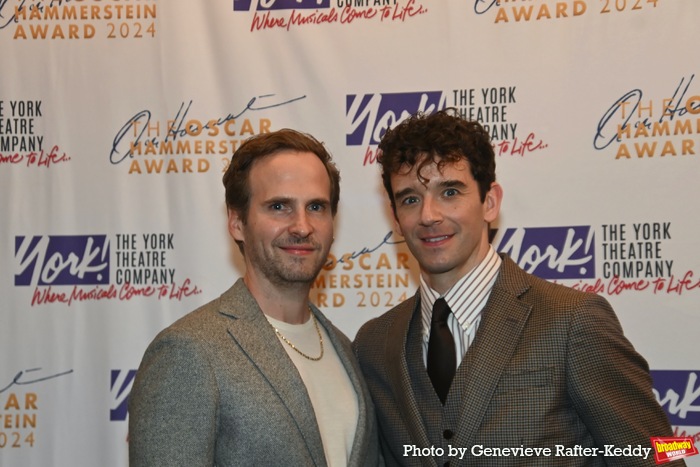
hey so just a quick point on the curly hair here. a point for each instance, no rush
(442, 137)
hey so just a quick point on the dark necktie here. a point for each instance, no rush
(441, 350)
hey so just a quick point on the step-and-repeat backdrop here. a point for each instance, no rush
(118, 118)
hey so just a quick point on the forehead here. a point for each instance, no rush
(435, 170)
(290, 172)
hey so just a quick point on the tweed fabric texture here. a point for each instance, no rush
(549, 366)
(217, 388)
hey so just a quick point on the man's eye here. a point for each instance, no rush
(316, 207)
(409, 200)
(451, 192)
(277, 206)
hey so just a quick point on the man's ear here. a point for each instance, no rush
(492, 202)
(235, 225)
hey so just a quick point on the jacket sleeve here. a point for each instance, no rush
(609, 382)
(173, 404)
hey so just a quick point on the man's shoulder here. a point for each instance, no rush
(203, 320)
(536, 289)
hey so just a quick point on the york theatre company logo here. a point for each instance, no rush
(678, 392)
(288, 14)
(611, 259)
(552, 252)
(64, 269)
(491, 107)
(369, 116)
(121, 382)
(62, 260)
(21, 140)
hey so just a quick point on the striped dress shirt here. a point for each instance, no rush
(466, 299)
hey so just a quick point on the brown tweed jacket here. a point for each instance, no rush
(549, 367)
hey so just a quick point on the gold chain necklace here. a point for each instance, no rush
(320, 340)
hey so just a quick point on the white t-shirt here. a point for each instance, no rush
(329, 387)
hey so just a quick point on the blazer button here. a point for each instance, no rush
(448, 434)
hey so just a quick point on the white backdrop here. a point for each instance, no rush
(118, 117)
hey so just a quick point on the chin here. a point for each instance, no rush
(438, 268)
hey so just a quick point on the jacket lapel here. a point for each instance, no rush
(503, 321)
(256, 338)
(398, 373)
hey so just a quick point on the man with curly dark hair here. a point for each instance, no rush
(487, 364)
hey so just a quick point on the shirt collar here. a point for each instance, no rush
(465, 294)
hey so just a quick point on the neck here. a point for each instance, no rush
(443, 282)
(288, 304)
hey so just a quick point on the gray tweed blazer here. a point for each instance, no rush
(549, 366)
(217, 388)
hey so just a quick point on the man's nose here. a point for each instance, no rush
(429, 211)
(301, 226)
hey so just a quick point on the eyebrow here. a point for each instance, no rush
(322, 201)
(442, 184)
(404, 192)
(277, 199)
(452, 184)
(288, 200)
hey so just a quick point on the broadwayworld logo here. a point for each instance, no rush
(43, 260)
(670, 449)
